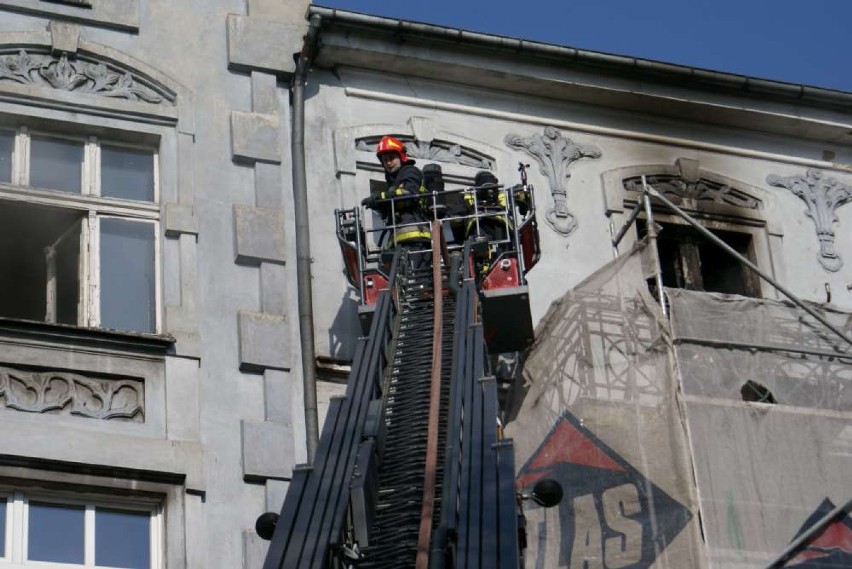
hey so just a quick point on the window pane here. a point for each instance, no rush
(56, 533)
(56, 164)
(127, 174)
(2, 527)
(127, 275)
(122, 539)
(7, 144)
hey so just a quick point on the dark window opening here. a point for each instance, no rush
(7, 146)
(40, 254)
(756, 393)
(689, 260)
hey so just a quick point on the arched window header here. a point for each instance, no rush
(80, 73)
(688, 185)
(700, 190)
(433, 150)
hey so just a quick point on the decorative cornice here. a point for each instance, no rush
(554, 154)
(701, 190)
(823, 196)
(77, 75)
(69, 393)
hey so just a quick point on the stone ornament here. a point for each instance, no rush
(823, 196)
(77, 76)
(700, 190)
(555, 154)
(65, 393)
(433, 151)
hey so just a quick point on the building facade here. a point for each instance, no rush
(146, 312)
(151, 371)
(706, 431)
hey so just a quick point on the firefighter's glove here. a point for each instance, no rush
(369, 202)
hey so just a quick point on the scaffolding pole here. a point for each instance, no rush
(652, 236)
(808, 535)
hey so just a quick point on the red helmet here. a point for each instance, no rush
(390, 144)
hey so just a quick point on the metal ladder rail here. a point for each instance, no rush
(448, 520)
(479, 522)
(448, 342)
(312, 515)
(488, 525)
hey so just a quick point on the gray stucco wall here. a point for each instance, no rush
(351, 103)
(216, 441)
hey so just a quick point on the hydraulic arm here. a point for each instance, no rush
(411, 469)
(362, 501)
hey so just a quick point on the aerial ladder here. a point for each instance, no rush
(411, 469)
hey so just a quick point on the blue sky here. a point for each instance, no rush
(795, 41)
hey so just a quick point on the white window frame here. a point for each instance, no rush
(95, 207)
(17, 528)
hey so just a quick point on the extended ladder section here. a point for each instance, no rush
(480, 524)
(387, 520)
(410, 470)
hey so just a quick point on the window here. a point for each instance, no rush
(48, 532)
(691, 261)
(79, 227)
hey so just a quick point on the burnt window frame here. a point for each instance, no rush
(722, 204)
(688, 266)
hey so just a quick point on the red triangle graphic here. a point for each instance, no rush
(568, 444)
(836, 535)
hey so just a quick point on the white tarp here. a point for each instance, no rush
(764, 470)
(666, 455)
(601, 417)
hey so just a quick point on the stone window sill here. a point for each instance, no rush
(114, 14)
(97, 339)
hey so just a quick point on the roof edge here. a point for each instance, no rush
(728, 81)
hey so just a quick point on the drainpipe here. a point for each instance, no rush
(303, 237)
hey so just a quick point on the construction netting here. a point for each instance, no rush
(711, 438)
(768, 400)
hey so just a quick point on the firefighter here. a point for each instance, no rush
(449, 205)
(406, 212)
(491, 205)
(491, 223)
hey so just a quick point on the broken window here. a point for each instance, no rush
(78, 231)
(691, 261)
